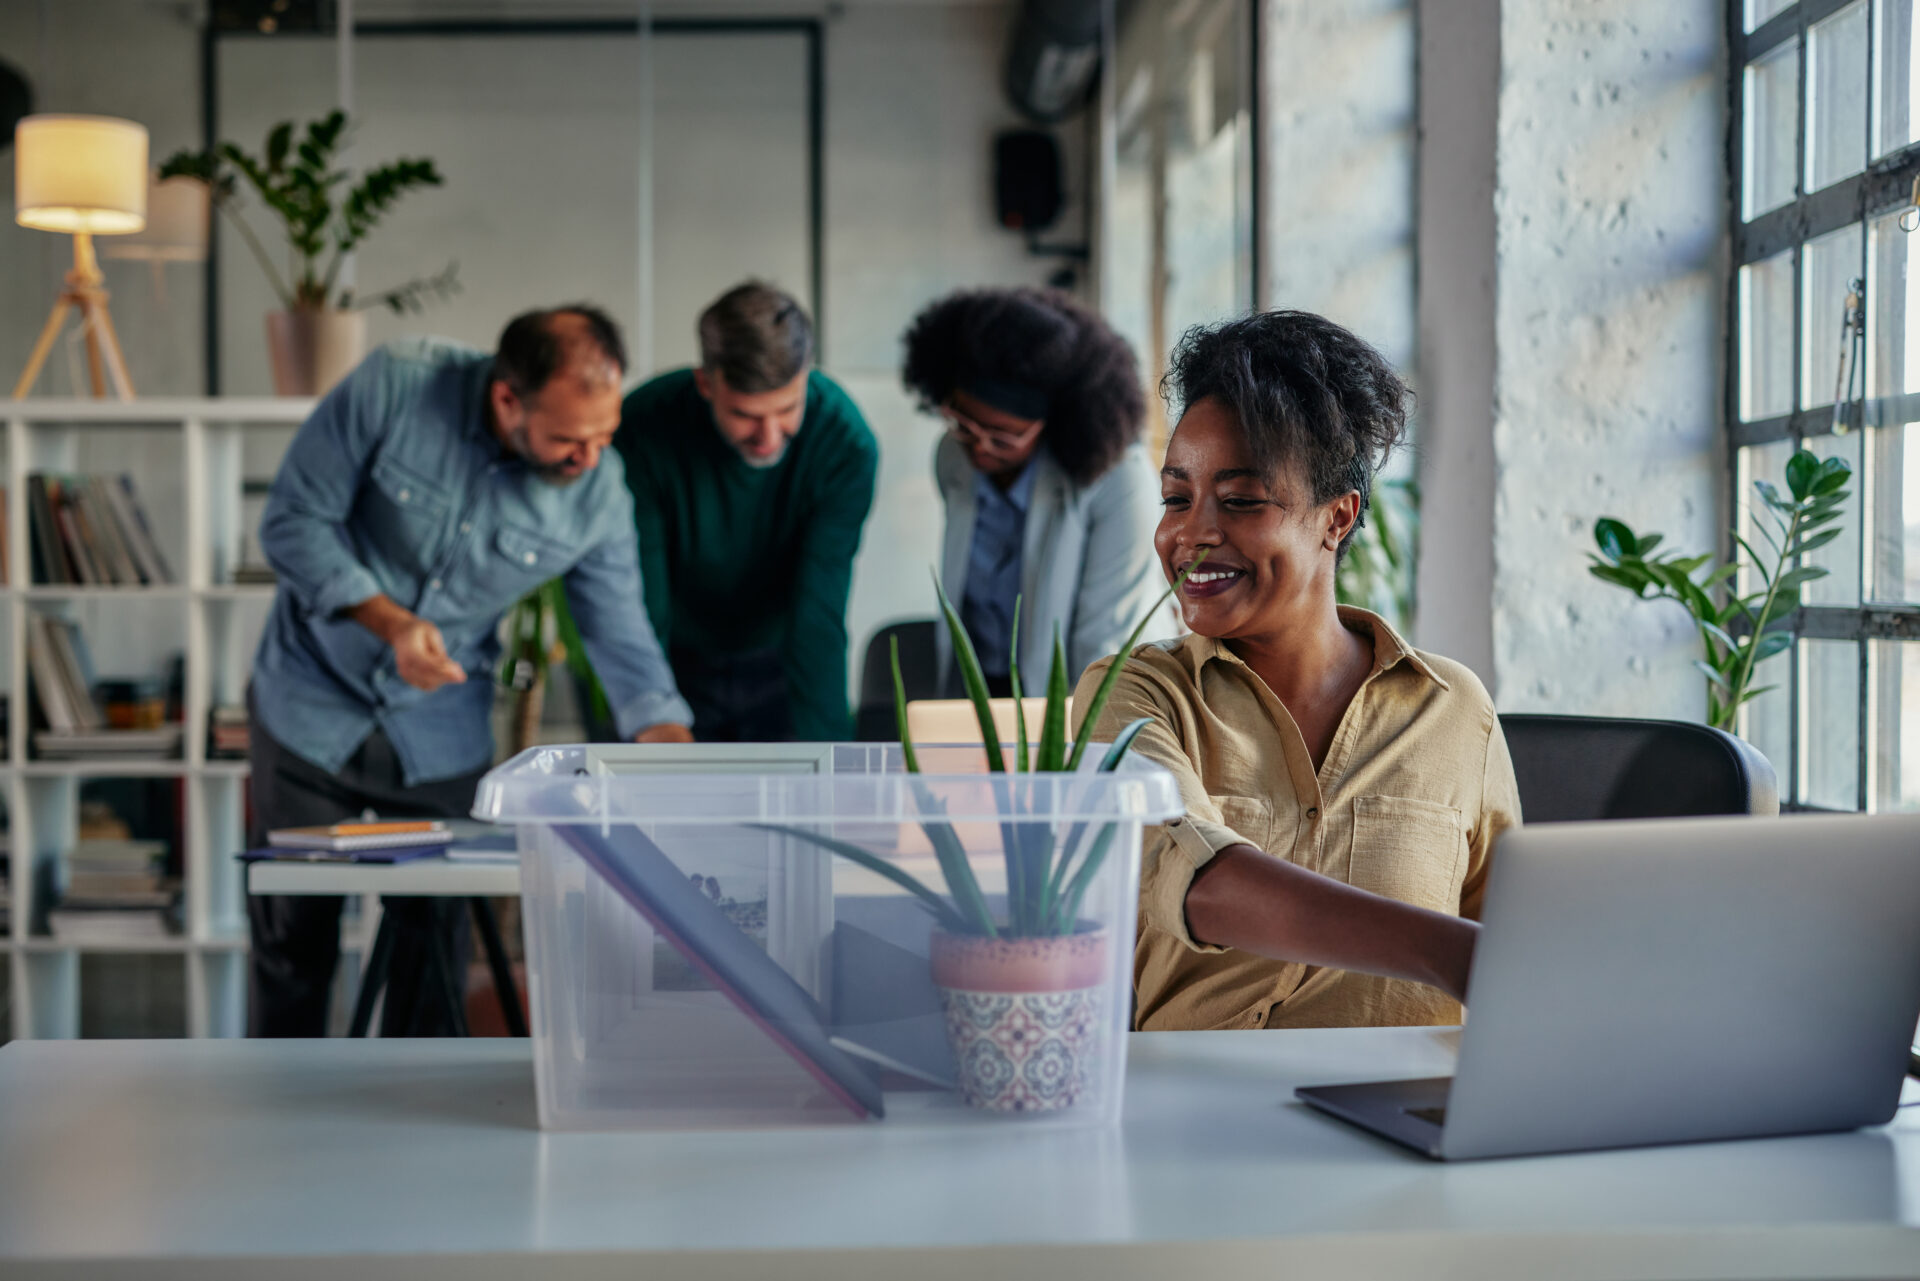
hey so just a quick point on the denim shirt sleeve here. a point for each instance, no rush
(605, 595)
(302, 530)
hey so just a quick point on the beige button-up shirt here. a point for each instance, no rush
(1415, 788)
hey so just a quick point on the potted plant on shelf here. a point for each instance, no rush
(1738, 631)
(1021, 990)
(320, 332)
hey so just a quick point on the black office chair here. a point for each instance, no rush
(1571, 768)
(874, 720)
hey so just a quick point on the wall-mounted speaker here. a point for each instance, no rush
(16, 102)
(1026, 179)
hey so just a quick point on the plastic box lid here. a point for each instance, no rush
(865, 782)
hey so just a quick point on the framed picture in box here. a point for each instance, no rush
(783, 903)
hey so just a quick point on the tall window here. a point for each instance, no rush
(1824, 161)
(1178, 247)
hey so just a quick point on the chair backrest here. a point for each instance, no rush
(874, 720)
(1571, 768)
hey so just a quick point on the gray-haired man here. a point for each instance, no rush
(752, 476)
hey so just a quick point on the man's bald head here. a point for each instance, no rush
(578, 340)
(555, 392)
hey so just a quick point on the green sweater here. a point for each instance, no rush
(736, 558)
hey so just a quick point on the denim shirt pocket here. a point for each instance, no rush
(408, 512)
(530, 558)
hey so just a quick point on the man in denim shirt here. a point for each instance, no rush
(430, 490)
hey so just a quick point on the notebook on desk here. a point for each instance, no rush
(366, 835)
(389, 854)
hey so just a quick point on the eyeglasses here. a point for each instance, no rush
(998, 441)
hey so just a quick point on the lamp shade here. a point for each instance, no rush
(176, 230)
(80, 174)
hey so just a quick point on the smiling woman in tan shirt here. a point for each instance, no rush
(1343, 790)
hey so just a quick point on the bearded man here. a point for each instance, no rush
(431, 489)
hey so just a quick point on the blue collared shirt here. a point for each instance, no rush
(396, 485)
(993, 567)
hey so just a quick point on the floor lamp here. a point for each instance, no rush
(87, 176)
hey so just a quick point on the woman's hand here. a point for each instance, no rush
(1246, 899)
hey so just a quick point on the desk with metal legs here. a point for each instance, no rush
(420, 878)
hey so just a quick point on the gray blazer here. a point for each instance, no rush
(1087, 562)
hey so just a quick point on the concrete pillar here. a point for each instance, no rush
(1459, 98)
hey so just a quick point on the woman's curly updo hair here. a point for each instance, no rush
(1042, 339)
(1302, 388)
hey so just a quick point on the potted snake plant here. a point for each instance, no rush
(1022, 988)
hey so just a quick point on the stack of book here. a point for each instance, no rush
(229, 732)
(117, 891)
(63, 691)
(92, 531)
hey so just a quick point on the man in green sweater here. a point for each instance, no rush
(752, 476)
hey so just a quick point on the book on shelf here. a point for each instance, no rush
(62, 679)
(110, 925)
(117, 889)
(92, 531)
(247, 574)
(229, 732)
(155, 744)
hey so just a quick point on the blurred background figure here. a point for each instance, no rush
(752, 476)
(1050, 496)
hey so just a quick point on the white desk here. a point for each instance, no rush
(420, 1159)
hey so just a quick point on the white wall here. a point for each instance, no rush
(541, 202)
(1612, 264)
(1339, 108)
(1590, 387)
(134, 58)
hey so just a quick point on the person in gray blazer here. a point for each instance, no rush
(1050, 495)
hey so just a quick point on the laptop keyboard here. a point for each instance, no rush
(1434, 1116)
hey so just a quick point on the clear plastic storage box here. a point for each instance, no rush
(746, 935)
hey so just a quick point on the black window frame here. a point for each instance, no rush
(1884, 187)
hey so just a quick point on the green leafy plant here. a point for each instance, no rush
(1048, 875)
(541, 631)
(324, 218)
(1377, 571)
(1738, 632)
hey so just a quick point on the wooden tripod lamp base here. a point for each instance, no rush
(83, 293)
(83, 176)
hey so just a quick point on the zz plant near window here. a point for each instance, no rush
(1738, 632)
(324, 218)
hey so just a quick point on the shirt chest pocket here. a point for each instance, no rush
(1250, 816)
(407, 492)
(408, 514)
(1411, 850)
(530, 556)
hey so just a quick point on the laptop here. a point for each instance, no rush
(1674, 981)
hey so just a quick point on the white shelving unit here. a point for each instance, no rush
(189, 458)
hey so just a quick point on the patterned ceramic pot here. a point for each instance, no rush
(1024, 1016)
